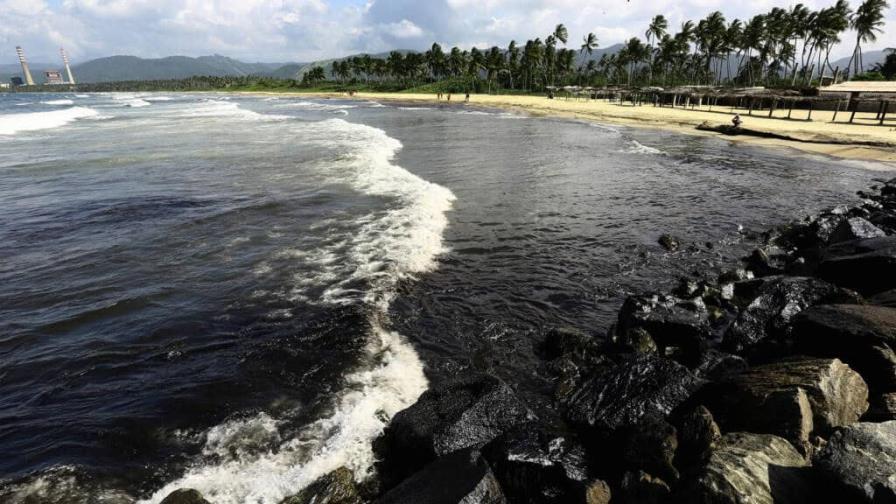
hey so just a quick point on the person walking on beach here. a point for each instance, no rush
(736, 121)
(449, 96)
(467, 99)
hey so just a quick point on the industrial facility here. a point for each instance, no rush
(51, 77)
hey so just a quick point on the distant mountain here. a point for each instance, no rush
(869, 59)
(122, 68)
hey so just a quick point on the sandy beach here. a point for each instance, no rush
(819, 136)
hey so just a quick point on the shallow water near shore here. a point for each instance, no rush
(235, 293)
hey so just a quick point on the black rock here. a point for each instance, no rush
(777, 300)
(882, 409)
(886, 298)
(642, 488)
(698, 434)
(638, 340)
(651, 447)
(855, 228)
(884, 220)
(824, 227)
(868, 266)
(462, 477)
(863, 336)
(717, 365)
(337, 487)
(672, 322)
(560, 341)
(538, 464)
(669, 242)
(466, 412)
(766, 261)
(862, 458)
(638, 389)
(184, 496)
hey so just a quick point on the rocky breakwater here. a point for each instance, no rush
(773, 383)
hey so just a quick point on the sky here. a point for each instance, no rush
(309, 30)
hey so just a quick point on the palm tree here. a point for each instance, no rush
(655, 32)
(589, 44)
(561, 34)
(867, 22)
(733, 37)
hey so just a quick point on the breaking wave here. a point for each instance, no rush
(639, 148)
(385, 249)
(58, 102)
(10, 124)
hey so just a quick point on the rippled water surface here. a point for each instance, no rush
(235, 293)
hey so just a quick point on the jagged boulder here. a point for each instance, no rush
(337, 487)
(670, 321)
(767, 261)
(886, 221)
(868, 266)
(651, 448)
(886, 298)
(716, 365)
(538, 464)
(862, 459)
(698, 434)
(639, 487)
(855, 228)
(184, 496)
(462, 477)
(776, 301)
(465, 412)
(863, 336)
(635, 390)
(560, 341)
(883, 408)
(669, 242)
(752, 469)
(792, 399)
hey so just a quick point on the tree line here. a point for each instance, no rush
(783, 47)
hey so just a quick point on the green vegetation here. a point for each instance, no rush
(781, 48)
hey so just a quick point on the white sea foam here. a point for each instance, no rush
(220, 108)
(639, 148)
(246, 460)
(315, 105)
(58, 102)
(158, 98)
(137, 103)
(10, 124)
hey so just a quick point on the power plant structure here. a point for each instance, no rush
(25, 70)
(68, 68)
(51, 77)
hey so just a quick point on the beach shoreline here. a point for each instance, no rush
(863, 142)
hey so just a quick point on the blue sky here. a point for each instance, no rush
(306, 30)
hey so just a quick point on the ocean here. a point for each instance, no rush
(235, 293)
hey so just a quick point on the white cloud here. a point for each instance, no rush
(303, 30)
(403, 29)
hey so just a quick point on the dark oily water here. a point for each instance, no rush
(234, 294)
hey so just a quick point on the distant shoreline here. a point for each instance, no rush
(820, 136)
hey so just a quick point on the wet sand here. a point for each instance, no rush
(862, 140)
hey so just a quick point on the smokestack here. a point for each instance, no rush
(28, 80)
(68, 69)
